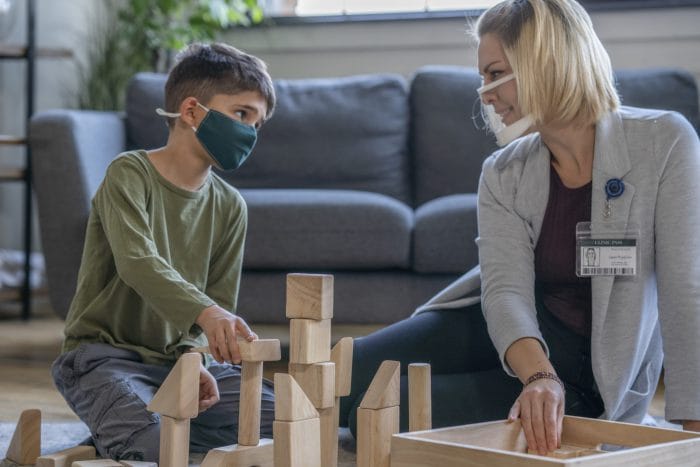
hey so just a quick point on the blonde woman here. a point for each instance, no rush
(578, 171)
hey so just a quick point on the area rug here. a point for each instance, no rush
(56, 436)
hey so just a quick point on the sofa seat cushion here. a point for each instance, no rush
(445, 231)
(333, 229)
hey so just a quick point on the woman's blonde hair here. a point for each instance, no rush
(562, 71)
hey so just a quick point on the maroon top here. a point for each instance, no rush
(565, 295)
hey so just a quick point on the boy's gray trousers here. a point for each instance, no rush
(109, 388)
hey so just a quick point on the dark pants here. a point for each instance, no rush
(468, 383)
(109, 388)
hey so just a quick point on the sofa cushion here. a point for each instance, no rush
(445, 231)
(660, 88)
(342, 133)
(333, 229)
(449, 146)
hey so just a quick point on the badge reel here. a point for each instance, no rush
(607, 249)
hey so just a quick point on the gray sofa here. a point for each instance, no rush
(370, 178)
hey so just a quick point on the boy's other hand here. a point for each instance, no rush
(221, 329)
(208, 390)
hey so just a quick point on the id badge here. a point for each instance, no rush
(606, 249)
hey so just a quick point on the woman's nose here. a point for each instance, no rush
(488, 97)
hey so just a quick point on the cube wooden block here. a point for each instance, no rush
(317, 380)
(297, 444)
(66, 457)
(375, 428)
(585, 442)
(310, 296)
(261, 455)
(309, 341)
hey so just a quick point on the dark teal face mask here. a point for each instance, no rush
(228, 141)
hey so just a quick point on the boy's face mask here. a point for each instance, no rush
(504, 133)
(228, 141)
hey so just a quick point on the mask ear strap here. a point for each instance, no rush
(163, 113)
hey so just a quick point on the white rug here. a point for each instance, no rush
(56, 436)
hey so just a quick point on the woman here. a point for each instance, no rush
(581, 340)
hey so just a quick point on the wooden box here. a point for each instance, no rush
(585, 442)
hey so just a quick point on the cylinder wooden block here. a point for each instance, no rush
(374, 430)
(309, 341)
(419, 397)
(249, 406)
(309, 296)
(297, 443)
(317, 380)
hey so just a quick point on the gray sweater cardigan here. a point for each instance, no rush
(638, 323)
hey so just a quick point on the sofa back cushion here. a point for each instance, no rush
(448, 148)
(342, 133)
(448, 141)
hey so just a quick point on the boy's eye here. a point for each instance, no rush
(240, 114)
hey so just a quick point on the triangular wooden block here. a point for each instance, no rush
(291, 403)
(66, 457)
(384, 391)
(25, 446)
(178, 396)
(341, 355)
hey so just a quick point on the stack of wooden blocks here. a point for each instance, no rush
(322, 379)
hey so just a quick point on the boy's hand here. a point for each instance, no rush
(221, 329)
(208, 390)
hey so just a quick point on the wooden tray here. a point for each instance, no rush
(585, 442)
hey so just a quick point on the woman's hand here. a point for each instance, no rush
(208, 389)
(221, 329)
(540, 408)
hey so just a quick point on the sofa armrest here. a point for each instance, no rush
(71, 150)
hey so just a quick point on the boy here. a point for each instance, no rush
(162, 261)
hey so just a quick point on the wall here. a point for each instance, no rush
(657, 37)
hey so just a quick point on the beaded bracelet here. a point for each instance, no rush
(545, 375)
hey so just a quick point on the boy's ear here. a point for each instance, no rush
(188, 111)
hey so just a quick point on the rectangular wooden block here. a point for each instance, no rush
(341, 355)
(297, 444)
(419, 397)
(138, 464)
(260, 350)
(174, 442)
(595, 443)
(309, 296)
(317, 380)
(97, 463)
(66, 457)
(375, 428)
(329, 434)
(309, 341)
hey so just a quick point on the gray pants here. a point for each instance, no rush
(109, 388)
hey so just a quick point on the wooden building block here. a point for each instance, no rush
(97, 463)
(384, 390)
(291, 403)
(375, 428)
(138, 464)
(419, 397)
(250, 402)
(309, 341)
(317, 380)
(174, 442)
(329, 419)
(310, 296)
(585, 443)
(341, 355)
(178, 396)
(261, 455)
(260, 350)
(66, 457)
(25, 445)
(297, 443)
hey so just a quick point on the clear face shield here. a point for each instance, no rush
(504, 133)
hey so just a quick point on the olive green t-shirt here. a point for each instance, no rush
(155, 256)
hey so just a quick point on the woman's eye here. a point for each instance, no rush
(495, 74)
